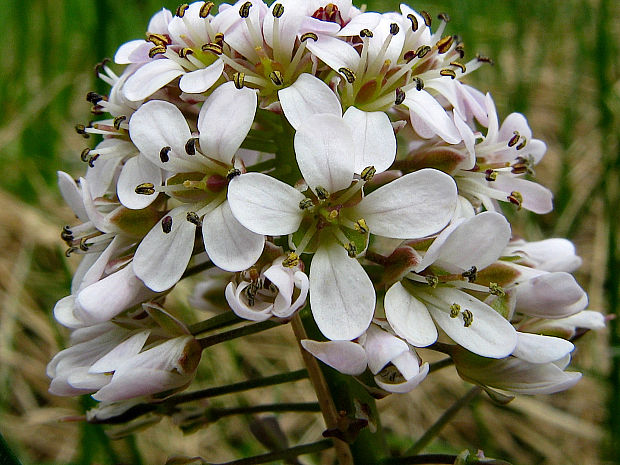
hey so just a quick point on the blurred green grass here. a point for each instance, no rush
(556, 61)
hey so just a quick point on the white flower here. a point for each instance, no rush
(413, 309)
(395, 365)
(198, 168)
(342, 296)
(276, 290)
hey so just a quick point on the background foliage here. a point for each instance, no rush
(555, 61)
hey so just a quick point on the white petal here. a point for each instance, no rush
(489, 335)
(424, 107)
(535, 348)
(138, 382)
(342, 296)
(368, 20)
(347, 357)
(158, 24)
(306, 97)
(149, 78)
(381, 348)
(64, 313)
(72, 195)
(477, 241)
(161, 258)
(134, 51)
(334, 52)
(416, 205)
(374, 139)
(409, 317)
(128, 348)
(230, 245)
(323, 146)
(551, 295)
(241, 309)
(536, 198)
(408, 385)
(112, 295)
(265, 205)
(196, 82)
(158, 124)
(225, 120)
(137, 170)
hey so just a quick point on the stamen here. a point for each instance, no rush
(400, 96)
(118, 120)
(351, 249)
(91, 161)
(305, 204)
(193, 218)
(361, 226)
(84, 155)
(213, 48)
(444, 44)
(516, 198)
(94, 98)
(239, 80)
(184, 52)
(81, 130)
(522, 144)
(66, 234)
(164, 154)
(368, 173)
(496, 289)
(490, 175)
(414, 21)
(166, 224)
(460, 49)
(394, 29)
(205, 9)
(233, 173)
(321, 193)
(157, 50)
(158, 39)
(278, 10)
(419, 83)
(219, 38)
(470, 274)
(455, 310)
(146, 188)
(190, 146)
(291, 260)
(366, 33)
(276, 78)
(484, 59)
(422, 50)
(309, 35)
(427, 18)
(460, 66)
(244, 11)
(468, 318)
(390, 374)
(348, 74)
(443, 17)
(448, 72)
(514, 139)
(432, 280)
(180, 11)
(70, 250)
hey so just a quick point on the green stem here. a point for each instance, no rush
(6, 454)
(197, 269)
(443, 420)
(259, 145)
(239, 387)
(215, 413)
(283, 454)
(262, 166)
(236, 333)
(222, 320)
(446, 362)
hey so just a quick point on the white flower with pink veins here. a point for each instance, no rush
(333, 218)
(199, 168)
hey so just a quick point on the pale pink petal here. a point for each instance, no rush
(134, 51)
(225, 119)
(369, 20)
(334, 52)
(151, 77)
(196, 82)
(159, 22)
(347, 357)
(128, 348)
(342, 296)
(374, 141)
(413, 206)
(551, 295)
(239, 307)
(381, 348)
(265, 205)
(162, 257)
(323, 146)
(230, 245)
(137, 170)
(424, 107)
(409, 317)
(535, 348)
(306, 97)
(125, 385)
(536, 198)
(72, 195)
(408, 385)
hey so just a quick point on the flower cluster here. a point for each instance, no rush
(324, 160)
